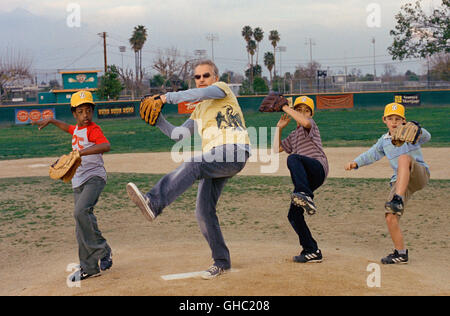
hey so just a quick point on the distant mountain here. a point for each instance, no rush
(49, 42)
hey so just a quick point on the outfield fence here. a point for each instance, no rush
(122, 108)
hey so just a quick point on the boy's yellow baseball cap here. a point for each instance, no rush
(394, 109)
(305, 100)
(81, 97)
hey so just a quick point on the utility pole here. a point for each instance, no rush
(212, 37)
(103, 34)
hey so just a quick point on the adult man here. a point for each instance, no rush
(225, 150)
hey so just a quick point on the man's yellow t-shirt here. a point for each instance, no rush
(220, 121)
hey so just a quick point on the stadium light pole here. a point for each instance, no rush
(212, 37)
(200, 53)
(374, 67)
(310, 42)
(281, 49)
(122, 50)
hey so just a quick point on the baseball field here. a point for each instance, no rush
(37, 237)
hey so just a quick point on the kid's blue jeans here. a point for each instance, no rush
(213, 169)
(307, 175)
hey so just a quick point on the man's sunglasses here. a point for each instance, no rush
(206, 75)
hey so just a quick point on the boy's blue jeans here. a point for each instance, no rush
(213, 169)
(307, 175)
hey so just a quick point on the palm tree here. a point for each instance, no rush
(247, 33)
(137, 42)
(274, 38)
(258, 35)
(251, 48)
(269, 61)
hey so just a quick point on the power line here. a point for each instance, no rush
(82, 55)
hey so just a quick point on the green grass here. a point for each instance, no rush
(347, 127)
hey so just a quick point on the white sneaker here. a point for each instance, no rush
(213, 272)
(142, 201)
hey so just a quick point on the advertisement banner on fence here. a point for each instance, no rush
(28, 116)
(409, 99)
(186, 107)
(341, 101)
(115, 111)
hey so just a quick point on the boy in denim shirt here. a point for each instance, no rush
(411, 174)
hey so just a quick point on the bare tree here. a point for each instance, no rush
(170, 65)
(14, 66)
(389, 72)
(308, 72)
(128, 80)
(440, 66)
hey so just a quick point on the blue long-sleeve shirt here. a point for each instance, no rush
(384, 147)
(178, 133)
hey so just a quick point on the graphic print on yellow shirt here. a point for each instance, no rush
(220, 121)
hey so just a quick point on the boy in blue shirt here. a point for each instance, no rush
(411, 174)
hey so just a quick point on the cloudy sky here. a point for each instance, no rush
(341, 30)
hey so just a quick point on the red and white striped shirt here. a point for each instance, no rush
(305, 143)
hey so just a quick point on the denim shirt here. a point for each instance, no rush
(384, 147)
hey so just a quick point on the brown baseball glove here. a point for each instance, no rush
(409, 132)
(273, 102)
(65, 167)
(150, 108)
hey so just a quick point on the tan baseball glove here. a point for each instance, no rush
(150, 108)
(409, 132)
(65, 167)
(273, 102)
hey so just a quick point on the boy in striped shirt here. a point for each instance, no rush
(308, 166)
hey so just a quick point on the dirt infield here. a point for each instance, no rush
(161, 163)
(40, 246)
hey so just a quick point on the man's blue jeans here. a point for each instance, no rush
(213, 169)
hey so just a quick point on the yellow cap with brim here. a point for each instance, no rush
(81, 97)
(394, 109)
(305, 100)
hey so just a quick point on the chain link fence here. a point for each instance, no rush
(333, 85)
